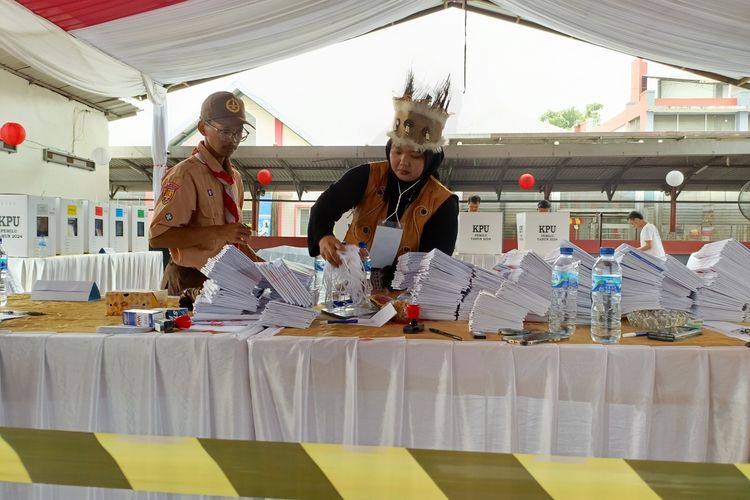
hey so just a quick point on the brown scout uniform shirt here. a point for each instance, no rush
(192, 196)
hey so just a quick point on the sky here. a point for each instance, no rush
(341, 95)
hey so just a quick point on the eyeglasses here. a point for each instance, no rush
(229, 135)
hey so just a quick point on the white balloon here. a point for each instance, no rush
(675, 178)
(101, 156)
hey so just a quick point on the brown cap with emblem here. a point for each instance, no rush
(223, 105)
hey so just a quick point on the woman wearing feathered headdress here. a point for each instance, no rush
(402, 193)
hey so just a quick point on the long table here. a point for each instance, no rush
(120, 271)
(354, 385)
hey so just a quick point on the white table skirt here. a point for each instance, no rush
(120, 271)
(666, 403)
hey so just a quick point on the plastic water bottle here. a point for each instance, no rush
(562, 312)
(317, 281)
(366, 260)
(3, 275)
(606, 286)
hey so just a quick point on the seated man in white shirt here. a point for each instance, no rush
(650, 239)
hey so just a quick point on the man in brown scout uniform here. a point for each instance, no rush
(402, 191)
(199, 210)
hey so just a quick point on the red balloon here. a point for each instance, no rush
(526, 181)
(12, 133)
(264, 176)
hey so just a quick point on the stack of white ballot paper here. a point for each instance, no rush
(642, 276)
(505, 309)
(287, 284)
(724, 267)
(407, 268)
(585, 264)
(440, 285)
(680, 285)
(281, 314)
(231, 288)
(482, 280)
(531, 273)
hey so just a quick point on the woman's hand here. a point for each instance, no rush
(330, 248)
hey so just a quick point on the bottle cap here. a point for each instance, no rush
(566, 251)
(362, 244)
(606, 251)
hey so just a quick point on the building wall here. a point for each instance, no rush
(51, 121)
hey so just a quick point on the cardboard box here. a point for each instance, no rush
(173, 312)
(138, 221)
(141, 317)
(480, 233)
(119, 234)
(542, 231)
(71, 217)
(119, 301)
(97, 227)
(28, 225)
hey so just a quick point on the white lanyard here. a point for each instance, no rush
(400, 194)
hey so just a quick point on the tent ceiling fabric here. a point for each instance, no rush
(708, 36)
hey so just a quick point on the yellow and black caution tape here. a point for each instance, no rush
(228, 468)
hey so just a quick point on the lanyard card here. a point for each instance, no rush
(385, 244)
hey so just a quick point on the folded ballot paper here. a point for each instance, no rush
(507, 308)
(277, 313)
(440, 284)
(482, 280)
(407, 268)
(724, 269)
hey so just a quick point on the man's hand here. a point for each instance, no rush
(234, 233)
(329, 248)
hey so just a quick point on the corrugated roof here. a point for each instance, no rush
(585, 163)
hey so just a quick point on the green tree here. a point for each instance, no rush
(570, 117)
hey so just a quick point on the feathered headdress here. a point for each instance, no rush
(421, 115)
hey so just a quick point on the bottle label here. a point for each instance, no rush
(3, 263)
(367, 265)
(606, 283)
(565, 279)
(320, 265)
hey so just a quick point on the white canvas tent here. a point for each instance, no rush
(142, 47)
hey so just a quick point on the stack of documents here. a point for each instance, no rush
(585, 264)
(407, 268)
(304, 277)
(278, 313)
(231, 288)
(482, 280)
(506, 309)
(642, 277)
(724, 267)
(527, 269)
(238, 298)
(441, 283)
(679, 286)
(286, 283)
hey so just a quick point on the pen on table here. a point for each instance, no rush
(339, 321)
(441, 332)
(634, 334)
(28, 313)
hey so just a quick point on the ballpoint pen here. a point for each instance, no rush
(634, 334)
(441, 332)
(339, 321)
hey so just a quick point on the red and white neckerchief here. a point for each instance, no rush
(231, 212)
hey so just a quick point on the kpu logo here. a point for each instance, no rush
(547, 229)
(480, 228)
(8, 221)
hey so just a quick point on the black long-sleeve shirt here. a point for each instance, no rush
(440, 231)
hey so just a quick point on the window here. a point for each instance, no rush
(720, 123)
(665, 123)
(303, 218)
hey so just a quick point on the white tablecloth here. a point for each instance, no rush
(666, 403)
(120, 271)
